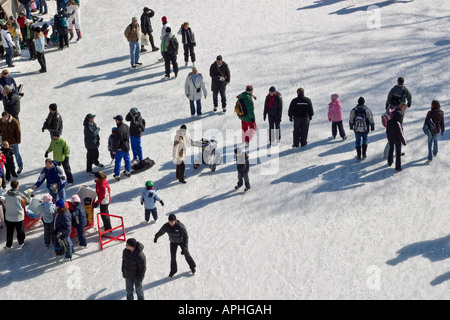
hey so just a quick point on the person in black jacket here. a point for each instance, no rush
(11, 102)
(188, 40)
(54, 121)
(91, 142)
(273, 107)
(137, 126)
(220, 78)
(178, 236)
(63, 32)
(243, 167)
(437, 116)
(134, 266)
(121, 147)
(300, 112)
(395, 136)
(146, 27)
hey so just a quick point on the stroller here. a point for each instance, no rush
(208, 156)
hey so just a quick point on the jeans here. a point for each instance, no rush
(43, 6)
(199, 106)
(361, 136)
(8, 55)
(118, 162)
(136, 148)
(129, 284)
(15, 148)
(134, 52)
(71, 249)
(433, 146)
(57, 196)
(27, 9)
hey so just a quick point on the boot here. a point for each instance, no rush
(71, 34)
(364, 151)
(358, 152)
(78, 34)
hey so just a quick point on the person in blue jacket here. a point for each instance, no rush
(148, 200)
(80, 217)
(63, 225)
(56, 180)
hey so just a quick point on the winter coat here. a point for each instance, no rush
(216, 72)
(187, 36)
(137, 124)
(134, 263)
(62, 31)
(48, 211)
(10, 131)
(73, 14)
(79, 215)
(177, 233)
(401, 91)
(242, 163)
(163, 30)
(15, 202)
(394, 128)
(53, 123)
(39, 43)
(11, 103)
(169, 45)
(29, 32)
(8, 153)
(8, 81)
(121, 140)
(132, 33)
(149, 198)
(7, 39)
(91, 135)
(103, 191)
(438, 118)
(53, 175)
(248, 100)
(181, 141)
(369, 117)
(146, 24)
(63, 223)
(192, 84)
(335, 111)
(60, 149)
(301, 107)
(274, 108)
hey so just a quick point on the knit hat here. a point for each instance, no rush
(75, 198)
(56, 133)
(53, 107)
(60, 203)
(249, 89)
(361, 101)
(219, 57)
(172, 217)
(334, 96)
(164, 19)
(47, 198)
(272, 89)
(132, 242)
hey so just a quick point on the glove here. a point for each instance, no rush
(351, 127)
(291, 119)
(46, 154)
(43, 130)
(142, 203)
(264, 118)
(96, 205)
(162, 203)
(155, 240)
(372, 128)
(187, 96)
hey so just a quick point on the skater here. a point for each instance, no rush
(48, 211)
(361, 121)
(134, 265)
(10, 168)
(121, 147)
(133, 36)
(437, 116)
(243, 167)
(146, 28)
(169, 50)
(335, 117)
(137, 126)
(103, 191)
(220, 77)
(91, 142)
(73, 15)
(63, 226)
(15, 203)
(79, 219)
(56, 180)
(180, 144)
(10, 131)
(300, 113)
(39, 45)
(148, 200)
(110, 143)
(193, 88)
(61, 154)
(178, 236)
(248, 120)
(188, 41)
(395, 136)
(54, 121)
(273, 107)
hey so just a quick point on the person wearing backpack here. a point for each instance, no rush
(436, 115)
(60, 25)
(361, 121)
(399, 93)
(273, 107)
(300, 113)
(169, 50)
(248, 122)
(63, 226)
(148, 200)
(395, 136)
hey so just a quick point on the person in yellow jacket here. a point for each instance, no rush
(14, 29)
(132, 34)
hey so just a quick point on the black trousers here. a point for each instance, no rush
(91, 158)
(10, 228)
(335, 126)
(63, 41)
(66, 166)
(180, 171)
(274, 127)
(105, 219)
(398, 155)
(223, 97)
(189, 49)
(41, 60)
(173, 256)
(301, 128)
(31, 48)
(169, 59)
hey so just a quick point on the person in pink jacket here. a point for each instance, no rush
(335, 116)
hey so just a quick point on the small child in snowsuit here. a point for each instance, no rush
(110, 143)
(2, 171)
(335, 116)
(148, 200)
(243, 167)
(9, 166)
(48, 211)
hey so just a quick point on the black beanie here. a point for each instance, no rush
(53, 107)
(361, 101)
(172, 217)
(132, 242)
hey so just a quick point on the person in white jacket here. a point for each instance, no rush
(15, 202)
(194, 88)
(73, 17)
(165, 24)
(8, 45)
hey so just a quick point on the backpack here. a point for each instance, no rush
(61, 247)
(360, 121)
(386, 117)
(396, 99)
(431, 127)
(63, 22)
(172, 46)
(240, 108)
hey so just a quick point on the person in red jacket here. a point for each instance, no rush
(103, 197)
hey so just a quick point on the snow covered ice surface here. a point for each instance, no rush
(317, 223)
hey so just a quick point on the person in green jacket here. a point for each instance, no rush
(248, 119)
(61, 152)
